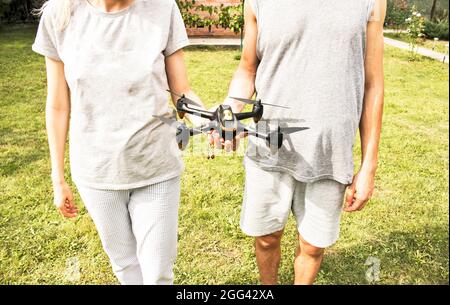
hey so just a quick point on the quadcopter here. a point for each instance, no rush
(227, 123)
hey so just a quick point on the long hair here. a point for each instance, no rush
(61, 10)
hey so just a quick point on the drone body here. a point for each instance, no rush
(227, 123)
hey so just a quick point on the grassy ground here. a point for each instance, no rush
(438, 46)
(405, 225)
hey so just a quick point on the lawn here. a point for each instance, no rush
(438, 46)
(405, 226)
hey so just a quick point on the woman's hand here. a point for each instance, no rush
(359, 192)
(63, 199)
(57, 121)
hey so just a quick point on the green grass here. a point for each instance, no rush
(438, 46)
(405, 225)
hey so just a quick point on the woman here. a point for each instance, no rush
(109, 63)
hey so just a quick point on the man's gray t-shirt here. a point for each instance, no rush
(115, 68)
(311, 56)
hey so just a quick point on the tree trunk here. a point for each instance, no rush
(433, 9)
(29, 6)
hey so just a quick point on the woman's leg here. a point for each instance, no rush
(154, 216)
(109, 211)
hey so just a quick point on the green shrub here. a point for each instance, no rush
(200, 15)
(436, 29)
(397, 12)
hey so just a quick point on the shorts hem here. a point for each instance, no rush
(322, 245)
(256, 233)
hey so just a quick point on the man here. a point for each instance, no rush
(324, 61)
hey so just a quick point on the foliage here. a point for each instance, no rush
(424, 7)
(437, 29)
(231, 17)
(397, 12)
(200, 15)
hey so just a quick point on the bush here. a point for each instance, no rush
(436, 29)
(200, 15)
(397, 12)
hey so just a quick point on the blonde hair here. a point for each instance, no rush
(61, 10)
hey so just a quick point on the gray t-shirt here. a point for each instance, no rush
(312, 60)
(115, 69)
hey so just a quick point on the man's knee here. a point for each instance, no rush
(269, 242)
(310, 250)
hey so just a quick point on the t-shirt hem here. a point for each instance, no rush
(180, 45)
(127, 186)
(45, 52)
(300, 178)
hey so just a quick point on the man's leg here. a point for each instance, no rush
(307, 262)
(268, 255)
(317, 207)
(265, 211)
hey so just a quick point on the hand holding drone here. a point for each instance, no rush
(227, 123)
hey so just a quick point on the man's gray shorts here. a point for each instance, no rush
(270, 196)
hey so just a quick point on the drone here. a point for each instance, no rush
(227, 123)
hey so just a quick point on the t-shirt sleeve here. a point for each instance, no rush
(45, 42)
(178, 38)
(254, 6)
(372, 11)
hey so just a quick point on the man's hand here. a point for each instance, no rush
(63, 199)
(359, 192)
(196, 121)
(361, 189)
(215, 139)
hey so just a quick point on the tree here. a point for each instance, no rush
(433, 9)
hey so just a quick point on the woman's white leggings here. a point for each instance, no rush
(138, 229)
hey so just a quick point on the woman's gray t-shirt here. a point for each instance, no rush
(311, 56)
(115, 68)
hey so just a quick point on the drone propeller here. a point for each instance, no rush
(282, 120)
(289, 130)
(195, 131)
(253, 102)
(187, 100)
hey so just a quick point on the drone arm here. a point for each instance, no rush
(247, 115)
(244, 115)
(184, 108)
(256, 113)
